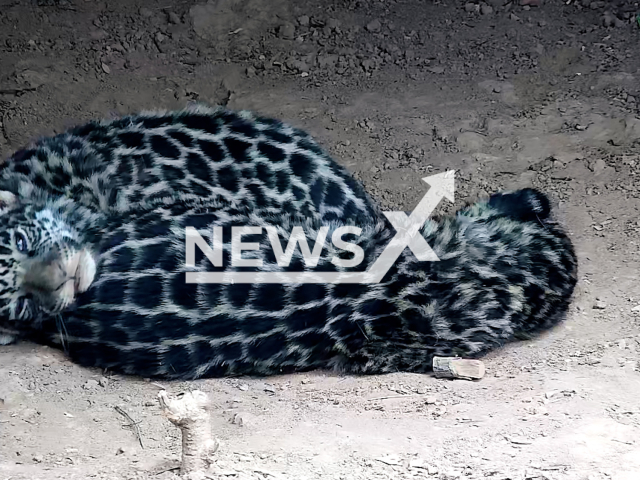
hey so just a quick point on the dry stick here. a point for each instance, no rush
(389, 397)
(16, 91)
(190, 413)
(170, 469)
(4, 125)
(133, 424)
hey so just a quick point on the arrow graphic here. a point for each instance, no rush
(408, 228)
(407, 234)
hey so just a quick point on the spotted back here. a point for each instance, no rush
(208, 156)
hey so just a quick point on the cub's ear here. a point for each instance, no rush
(7, 200)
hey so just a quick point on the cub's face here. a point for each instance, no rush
(43, 267)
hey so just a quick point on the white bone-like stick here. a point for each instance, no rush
(190, 413)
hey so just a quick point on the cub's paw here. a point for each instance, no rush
(85, 271)
(7, 338)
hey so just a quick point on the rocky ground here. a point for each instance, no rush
(542, 93)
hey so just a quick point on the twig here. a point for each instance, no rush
(462, 130)
(133, 424)
(165, 470)
(550, 468)
(60, 7)
(621, 441)
(16, 91)
(190, 413)
(4, 125)
(395, 396)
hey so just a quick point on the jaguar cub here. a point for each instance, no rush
(93, 258)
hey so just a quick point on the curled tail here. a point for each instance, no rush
(526, 204)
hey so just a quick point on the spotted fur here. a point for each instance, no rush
(197, 156)
(507, 270)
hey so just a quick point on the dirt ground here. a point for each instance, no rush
(544, 94)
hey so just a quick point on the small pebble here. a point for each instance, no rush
(471, 7)
(239, 419)
(486, 9)
(374, 26)
(441, 410)
(287, 31)
(541, 411)
(173, 18)
(600, 305)
(89, 384)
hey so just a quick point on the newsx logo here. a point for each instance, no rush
(407, 235)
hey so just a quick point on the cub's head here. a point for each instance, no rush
(43, 263)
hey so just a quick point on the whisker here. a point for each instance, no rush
(62, 330)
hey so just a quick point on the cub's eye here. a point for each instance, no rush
(21, 242)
